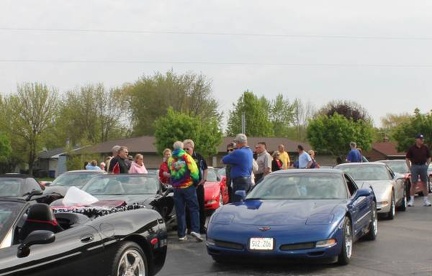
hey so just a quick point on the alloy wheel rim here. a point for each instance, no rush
(131, 264)
(348, 241)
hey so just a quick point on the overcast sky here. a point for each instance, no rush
(376, 53)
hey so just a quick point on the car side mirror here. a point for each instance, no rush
(35, 237)
(363, 192)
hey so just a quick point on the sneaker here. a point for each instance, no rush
(427, 202)
(411, 203)
(197, 236)
(183, 238)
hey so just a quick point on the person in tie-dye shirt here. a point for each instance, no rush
(184, 173)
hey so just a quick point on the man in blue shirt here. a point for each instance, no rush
(354, 154)
(305, 161)
(241, 166)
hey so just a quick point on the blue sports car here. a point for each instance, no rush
(307, 214)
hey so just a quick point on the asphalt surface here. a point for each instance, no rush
(403, 247)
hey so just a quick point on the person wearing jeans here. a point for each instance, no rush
(184, 173)
(417, 159)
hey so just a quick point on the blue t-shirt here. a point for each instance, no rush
(354, 156)
(240, 161)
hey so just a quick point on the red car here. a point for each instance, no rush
(215, 190)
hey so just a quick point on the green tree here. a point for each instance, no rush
(407, 130)
(151, 96)
(256, 113)
(177, 126)
(31, 112)
(5, 152)
(302, 113)
(90, 115)
(332, 134)
(390, 123)
(282, 115)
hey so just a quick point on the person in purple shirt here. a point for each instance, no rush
(241, 166)
(354, 154)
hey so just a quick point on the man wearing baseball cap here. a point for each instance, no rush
(417, 159)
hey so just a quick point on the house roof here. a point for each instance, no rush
(146, 144)
(387, 148)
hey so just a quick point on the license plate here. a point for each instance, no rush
(261, 243)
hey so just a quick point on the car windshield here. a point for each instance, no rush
(73, 179)
(122, 185)
(10, 186)
(398, 166)
(369, 172)
(300, 186)
(211, 175)
(8, 213)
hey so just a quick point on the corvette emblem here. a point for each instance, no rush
(264, 228)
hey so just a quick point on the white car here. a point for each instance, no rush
(388, 186)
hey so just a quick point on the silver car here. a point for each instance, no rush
(388, 186)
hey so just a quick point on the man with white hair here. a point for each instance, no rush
(184, 174)
(189, 147)
(241, 161)
(114, 152)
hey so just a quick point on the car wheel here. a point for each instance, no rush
(373, 225)
(429, 184)
(129, 259)
(392, 212)
(220, 200)
(403, 205)
(219, 259)
(347, 243)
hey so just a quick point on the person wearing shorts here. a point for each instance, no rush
(417, 159)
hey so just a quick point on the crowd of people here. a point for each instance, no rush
(185, 170)
(119, 162)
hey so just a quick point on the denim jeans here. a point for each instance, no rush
(182, 198)
(240, 183)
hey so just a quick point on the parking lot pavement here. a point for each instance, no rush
(403, 247)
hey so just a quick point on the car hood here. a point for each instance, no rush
(380, 187)
(280, 212)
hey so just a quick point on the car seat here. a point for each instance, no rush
(40, 217)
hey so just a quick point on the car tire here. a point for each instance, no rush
(402, 207)
(129, 256)
(373, 225)
(392, 212)
(221, 200)
(219, 259)
(347, 243)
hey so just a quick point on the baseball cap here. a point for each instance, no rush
(419, 136)
(240, 138)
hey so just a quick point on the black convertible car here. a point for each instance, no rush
(142, 189)
(35, 241)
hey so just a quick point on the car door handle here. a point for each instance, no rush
(88, 238)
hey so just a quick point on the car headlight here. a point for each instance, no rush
(326, 243)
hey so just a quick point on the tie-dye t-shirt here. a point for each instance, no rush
(183, 169)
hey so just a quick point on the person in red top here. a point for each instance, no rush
(417, 159)
(164, 173)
